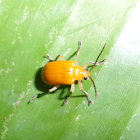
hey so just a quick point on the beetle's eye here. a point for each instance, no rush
(86, 69)
(85, 78)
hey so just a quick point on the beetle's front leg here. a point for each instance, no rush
(97, 63)
(71, 90)
(81, 88)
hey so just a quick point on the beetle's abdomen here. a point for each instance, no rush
(58, 73)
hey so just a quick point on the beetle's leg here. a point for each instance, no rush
(71, 90)
(54, 88)
(80, 44)
(61, 57)
(97, 63)
(33, 98)
(49, 57)
(50, 90)
(81, 88)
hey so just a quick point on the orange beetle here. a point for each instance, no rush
(56, 73)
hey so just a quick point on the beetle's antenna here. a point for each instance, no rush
(94, 87)
(97, 58)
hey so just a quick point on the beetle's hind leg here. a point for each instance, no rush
(50, 90)
(61, 58)
(71, 90)
(81, 88)
(33, 98)
(49, 57)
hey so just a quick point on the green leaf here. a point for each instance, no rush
(31, 29)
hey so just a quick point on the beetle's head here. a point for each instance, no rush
(86, 74)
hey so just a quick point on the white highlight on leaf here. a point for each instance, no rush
(77, 118)
(21, 96)
(1, 71)
(0, 1)
(13, 42)
(24, 16)
(6, 62)
(62, 40)
(65, 53)
(77, 106)
(95, 73)
(5, 129)
(27, 91)
(134, 115)
(29, 83)
(20, 39)
(83, 102)
(3, 132)
(67, 111)
(13, 63)
(121, 138)
(5, 70)
(76, 134)
(12, 90)
(9, 69)
(52, 32)
(128, 128)
(46, 45)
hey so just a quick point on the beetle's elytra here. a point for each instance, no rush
(56, 73)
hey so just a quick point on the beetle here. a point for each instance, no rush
(56, 73)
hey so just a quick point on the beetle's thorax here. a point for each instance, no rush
(80, 73)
